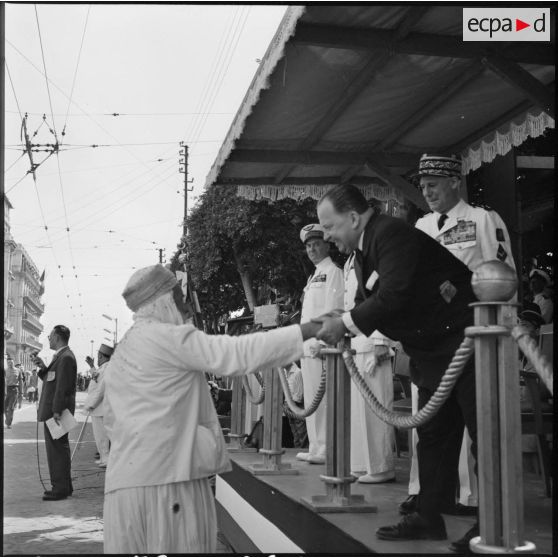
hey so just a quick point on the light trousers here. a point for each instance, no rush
(371, 438)
(316, 423)
(175, 518)
(468, 484)
(101, 438)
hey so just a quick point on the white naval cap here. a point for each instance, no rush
(313, 230)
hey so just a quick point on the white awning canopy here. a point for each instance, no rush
(358, 93)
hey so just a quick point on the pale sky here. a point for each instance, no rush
(172, 73)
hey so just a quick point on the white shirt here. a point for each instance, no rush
(472, 234)
(323, 293)
(96, 392)
(159, 414)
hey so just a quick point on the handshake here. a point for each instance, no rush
(327, 327)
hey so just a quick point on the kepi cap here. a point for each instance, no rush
(437, 165)
(147, 284)
(313, 230)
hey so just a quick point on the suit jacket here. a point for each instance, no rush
(59, 385)
(400, 274)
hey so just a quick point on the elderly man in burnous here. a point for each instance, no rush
(165, 436)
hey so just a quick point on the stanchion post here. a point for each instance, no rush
(273, 430)
(498, 414)
(338, 478)
(238, 413)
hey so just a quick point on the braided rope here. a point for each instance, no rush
(248, 390)
(530, 349)
(293, 410)
(399, 420)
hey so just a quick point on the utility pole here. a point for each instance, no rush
(160, 250)
(183, 168)
(190, 292)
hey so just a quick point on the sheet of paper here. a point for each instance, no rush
(67, 423)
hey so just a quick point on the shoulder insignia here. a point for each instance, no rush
(482, 206)
(500, 235)
(501, 254)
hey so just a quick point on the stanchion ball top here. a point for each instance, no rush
(494, 281)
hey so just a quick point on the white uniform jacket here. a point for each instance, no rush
(323, 293)
(96, 393)
(472, 234)
(159, 413)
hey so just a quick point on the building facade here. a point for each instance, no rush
(23, 288)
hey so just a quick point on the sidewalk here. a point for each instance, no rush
(34, 527)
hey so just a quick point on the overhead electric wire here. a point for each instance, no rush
(13, 89)
(45, 73)
(134, 114)
(15, 162)
(76, 71)
(221, 77)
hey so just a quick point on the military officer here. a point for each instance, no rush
(323, 293)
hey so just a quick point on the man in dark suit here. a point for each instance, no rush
(59, 393)
(412, 290)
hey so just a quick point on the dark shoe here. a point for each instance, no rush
(461, 546)
(54, 496)
(409, 505)
(413, 526)
(464, 511)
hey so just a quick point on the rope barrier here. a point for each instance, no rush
(399, 420)
(543, 367)
(292, 409)
(248, 390)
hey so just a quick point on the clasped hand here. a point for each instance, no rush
(333, 329)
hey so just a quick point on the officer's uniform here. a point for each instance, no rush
(323, 293)
(473, 235)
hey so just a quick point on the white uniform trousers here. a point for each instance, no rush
(316, 423)
(371, 438)
(175, 518)
(101, 438)
(468, 485)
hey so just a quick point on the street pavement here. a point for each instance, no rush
(35, 527)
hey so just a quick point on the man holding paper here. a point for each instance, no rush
(58, 394)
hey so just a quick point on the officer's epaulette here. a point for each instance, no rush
(482, 206)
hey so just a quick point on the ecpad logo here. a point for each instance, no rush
(506, 24)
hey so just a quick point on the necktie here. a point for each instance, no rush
(441, 220)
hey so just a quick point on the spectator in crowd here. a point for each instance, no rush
(21, 385)
(165, 436)
(94, 404)
(11, 381)
(33, 386)
(323, 292)
(539, 281)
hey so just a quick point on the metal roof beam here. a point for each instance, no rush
(522, 80)
(276, 156)
(428, 44)
(295, 180)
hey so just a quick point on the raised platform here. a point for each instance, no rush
(264, 514)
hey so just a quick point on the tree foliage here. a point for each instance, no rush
(238, 248)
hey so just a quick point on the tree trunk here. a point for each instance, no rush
(246, 282)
